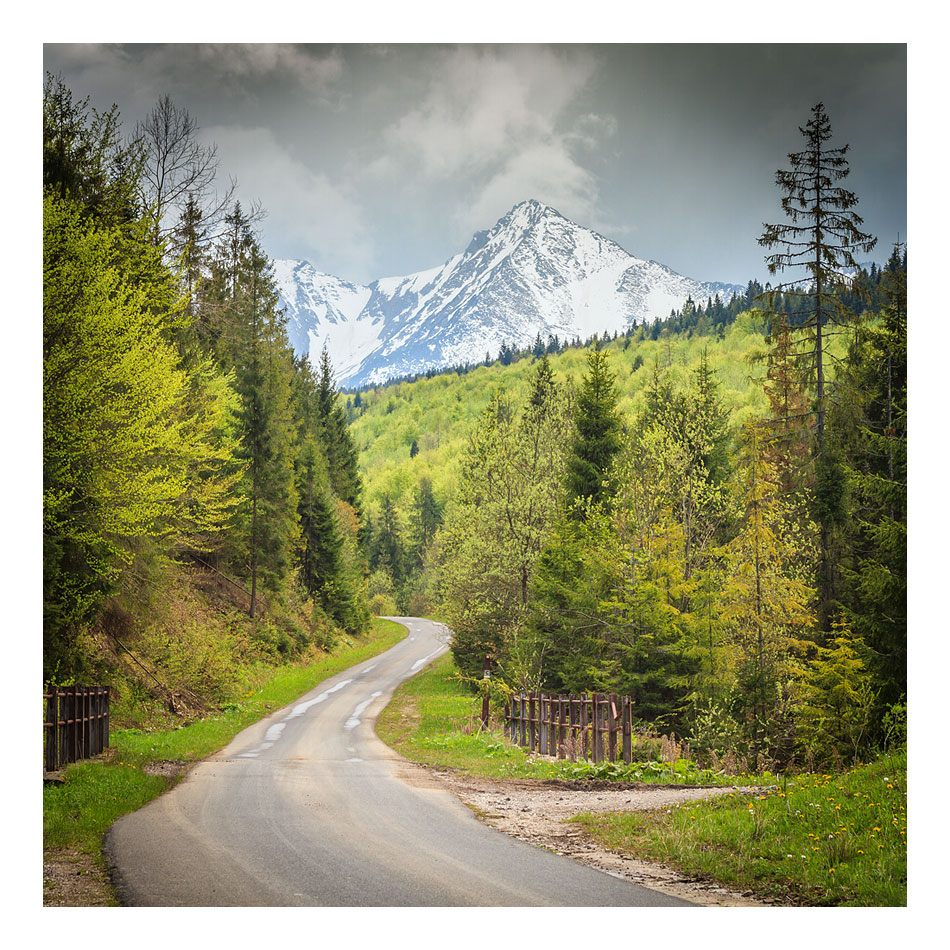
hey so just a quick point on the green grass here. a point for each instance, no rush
(78, 811)
(816, 840)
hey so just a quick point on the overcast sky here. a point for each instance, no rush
(376, 161)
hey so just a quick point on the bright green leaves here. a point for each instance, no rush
(112, 402)
(509, 486)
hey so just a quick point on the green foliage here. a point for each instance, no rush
(663, 597)
(508, 493)
(85, 159)
(597, 432)
(874, 594)
(114, 451)
(839, 699)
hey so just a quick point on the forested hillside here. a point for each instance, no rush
(202, 501)
(707, 514)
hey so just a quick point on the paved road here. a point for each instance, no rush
(309, 807)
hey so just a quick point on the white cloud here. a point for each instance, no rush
(483, 105)
(307, 213)
(503, 121)
(545, 171)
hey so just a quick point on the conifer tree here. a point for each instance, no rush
(821, 236)
(321, 560)
(84, 158)
(342, 457)
(875, 594)
(425, 519)
(386, 547)
(254, 342)
(597, 433)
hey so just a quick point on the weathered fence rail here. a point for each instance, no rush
(598, 727)
(75, 724)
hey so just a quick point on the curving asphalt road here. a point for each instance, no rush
(308, 807)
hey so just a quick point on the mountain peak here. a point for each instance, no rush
(533, 273)
(530, 211)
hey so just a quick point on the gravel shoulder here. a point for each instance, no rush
(539, 812)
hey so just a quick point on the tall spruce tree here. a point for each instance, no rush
(254, 343)
(343, 459)
(820, 237)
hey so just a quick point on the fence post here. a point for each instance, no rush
(543, 723)
(86, 720)
(62, 740)
(531, 708)
(612, 729)
(626, 717)
(595, 725)
(69, 715)
(52, 729)
(585, 747)
(559, 744)
(572, 717)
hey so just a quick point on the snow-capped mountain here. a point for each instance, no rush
(535, 272)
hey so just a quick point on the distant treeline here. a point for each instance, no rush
(862, 291)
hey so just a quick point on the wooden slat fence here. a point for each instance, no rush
(75, 724)
(598, 727)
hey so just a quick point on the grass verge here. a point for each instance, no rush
(818, 840)
(78, 811)
(808, 840)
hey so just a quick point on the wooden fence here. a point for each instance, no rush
(75, 724)
(598, 727)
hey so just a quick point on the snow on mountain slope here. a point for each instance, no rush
(324, 310)
(535, 272)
